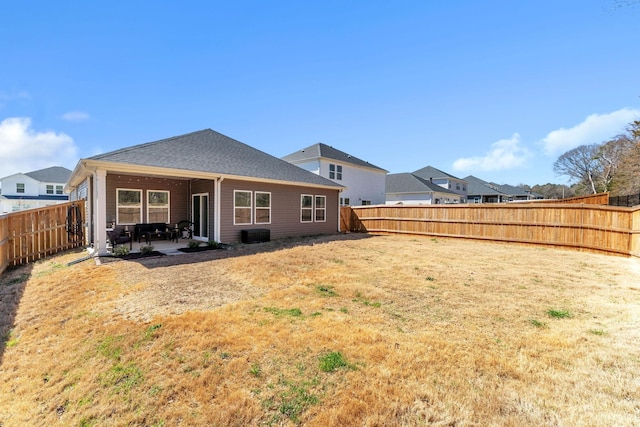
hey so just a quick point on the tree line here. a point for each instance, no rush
(612, 166)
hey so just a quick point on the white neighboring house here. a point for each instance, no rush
(35, 189)
(426, 186)
(364, 182)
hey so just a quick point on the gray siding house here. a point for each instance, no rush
(425, 186)
(221, 185)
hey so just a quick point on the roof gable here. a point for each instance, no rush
(321, 150)
(410, 183)
(477, 186)
(53, 174)
(429, 172)
(212, 152)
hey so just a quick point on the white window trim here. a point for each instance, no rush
(315, 208)
(168, 203)
(255, 206)
(302, 196)
(50, 187)
(250, 207)
(118, 205)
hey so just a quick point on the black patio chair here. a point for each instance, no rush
(119, 238)
(185, 229)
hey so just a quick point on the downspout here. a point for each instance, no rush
(217, 208)
(339, 210)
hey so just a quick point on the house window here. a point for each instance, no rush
(263, 208)
(49, 189)
(306, 208)
(366, 202)
(129, 206)
(59, 189)
(457, 186)
(345, 201)
(20, 187)
(158, 206)
(242, 207)
(335, 171)
(321, 208)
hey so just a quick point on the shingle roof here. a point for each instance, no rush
(511, 190)
(476, 186)
(410, 183)
(212, 152)
(431, 172)
(318, 150)
(56, 174)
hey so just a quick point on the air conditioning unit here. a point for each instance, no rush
(255, 235)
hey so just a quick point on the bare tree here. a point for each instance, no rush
(580, 165)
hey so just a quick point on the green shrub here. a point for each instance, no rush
(120, 251)
(146, 250)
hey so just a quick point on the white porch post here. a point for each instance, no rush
(216, 208)
(100, 211)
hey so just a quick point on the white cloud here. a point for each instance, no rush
(22, 149)
(595, 129)
(75, 116)
(503, 155)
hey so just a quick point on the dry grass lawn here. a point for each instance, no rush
(326, 331)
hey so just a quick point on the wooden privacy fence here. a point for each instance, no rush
(33, 234)
(609, 229)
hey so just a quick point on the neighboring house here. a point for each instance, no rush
(425, 186)
(364, 182)
(222, 185)
(35, 189)
(409, 189)
(444, 180)
(480, 191)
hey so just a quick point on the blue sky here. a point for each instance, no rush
(495, 89)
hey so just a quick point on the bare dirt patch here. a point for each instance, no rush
(338, 330)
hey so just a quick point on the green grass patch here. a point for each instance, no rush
(326, 291)
(122, 378)
(598, 332)
(255, 370)
(279, 312)
(537, 323)
(110, 347)
(558, 314)
(359, 298)
(150, 332)
(333, 361)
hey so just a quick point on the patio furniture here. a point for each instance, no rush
(185, 229)
(147, 231)
(119, 237)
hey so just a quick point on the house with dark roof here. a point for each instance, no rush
(425, 186)
(223, 186)
(364, 183)
(481, 191)
(410, 189)
(35, 189)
